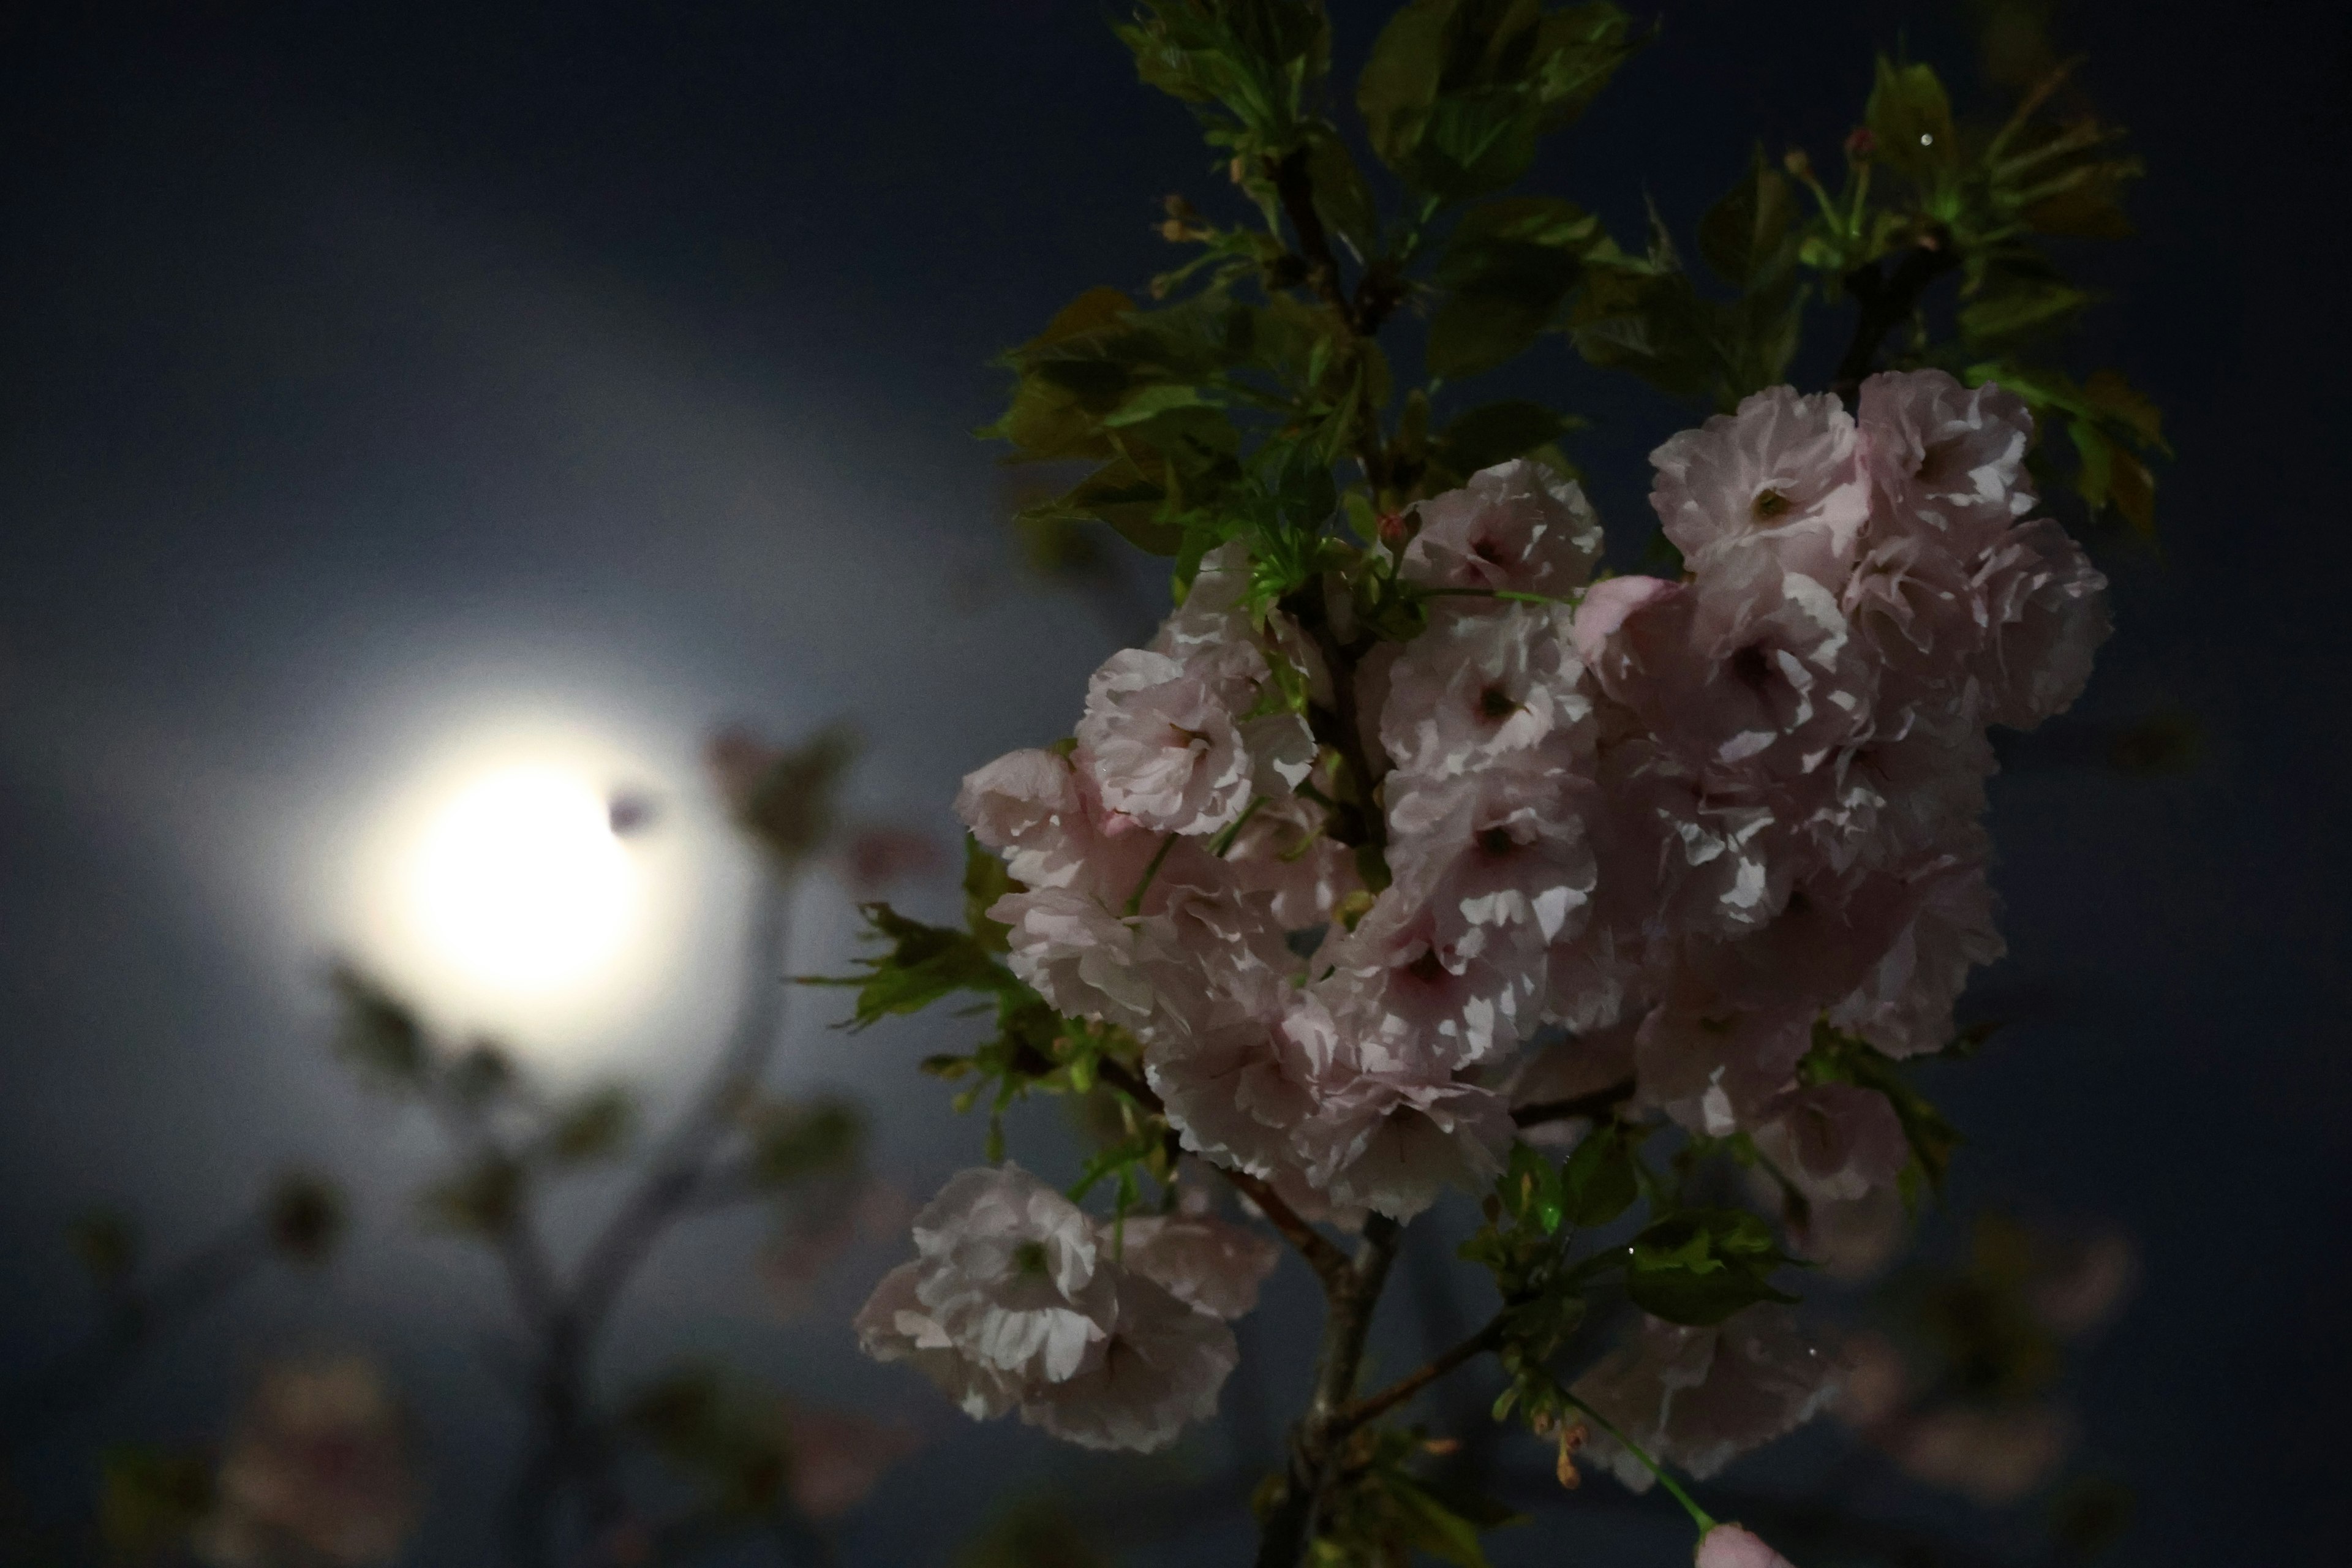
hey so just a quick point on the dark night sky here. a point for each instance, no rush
(371, 368)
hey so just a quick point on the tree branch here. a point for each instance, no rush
(1597, 1104)
(1328, 1261)
(1348, 1321)
(1374, 1405)
(1887, 299)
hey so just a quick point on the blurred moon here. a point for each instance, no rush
(518, 882)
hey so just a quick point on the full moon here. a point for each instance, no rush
(517, 882)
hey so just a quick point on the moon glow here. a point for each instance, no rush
(517, 883)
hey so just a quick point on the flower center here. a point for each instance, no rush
(1496, 703)
(1770, 504)
(1029, 1259)
(1751, 668)
(1496, 841)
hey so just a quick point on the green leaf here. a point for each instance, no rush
(2122, 404)
(1700, 1265)
(1505, 271)
(789, 809)
(380, 1034)
(1643, 317)
(1431, 1526)
(1342, 199)
(1530, 1187)
(594, 1126)
(152, 1500)
(1495, 433)
(1253, 59)
(924, 964)
(1458, 92)
(1911, 120)
(2095, 470)
(1749, 235)
(985, 880)
(306, 1216)
(2014, 308)
(1599, 1181)
(107, 1244)
(791, 1142)
(482, 1199)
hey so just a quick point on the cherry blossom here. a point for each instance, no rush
(317, 1467)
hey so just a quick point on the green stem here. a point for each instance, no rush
(1135, 900)
(1222, 843)
(1699, 1516)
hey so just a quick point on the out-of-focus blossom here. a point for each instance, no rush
(316, 1471)
(879, 854)
(2085, 1282)
(1835, 1140)
(836, 1458)
(1699, 1398)
(1877, 1383)
(817, 1235)
(1993, 1456)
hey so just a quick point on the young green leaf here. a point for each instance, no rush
(1700, 1265)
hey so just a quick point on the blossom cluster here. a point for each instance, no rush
(1110, 1336)
(1672, 825)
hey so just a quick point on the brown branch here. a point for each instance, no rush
(1297, 189)
(1887, 299)
(1289, 1527)
(1595, 1105)
(1322, 1255)
(1326, 1259)
(1372, 1407)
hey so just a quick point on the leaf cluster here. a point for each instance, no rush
(1032, 1048)
(1380, 1511)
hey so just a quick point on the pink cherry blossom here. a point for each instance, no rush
(1992, 1455)
(318, 1465)
(1833, 1141)
(2047, 608)
(1945, 461)
(895, 1325)
(1728, 1546)
(836, 1458)
(1699, 1398)
(1207, 1263)
(1418, 988)
(1077, 954)
(1504, 847)
(1012, 1273)
(1781, 479)
(1162, 1366)
(1905, 1005)
(1165, 736)
(1234, 1094)
(1484, 686)
(1517, 526)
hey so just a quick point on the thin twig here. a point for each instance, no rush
(136, 1318)
(1374, 1405)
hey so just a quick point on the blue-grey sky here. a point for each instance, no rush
(374, 372)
